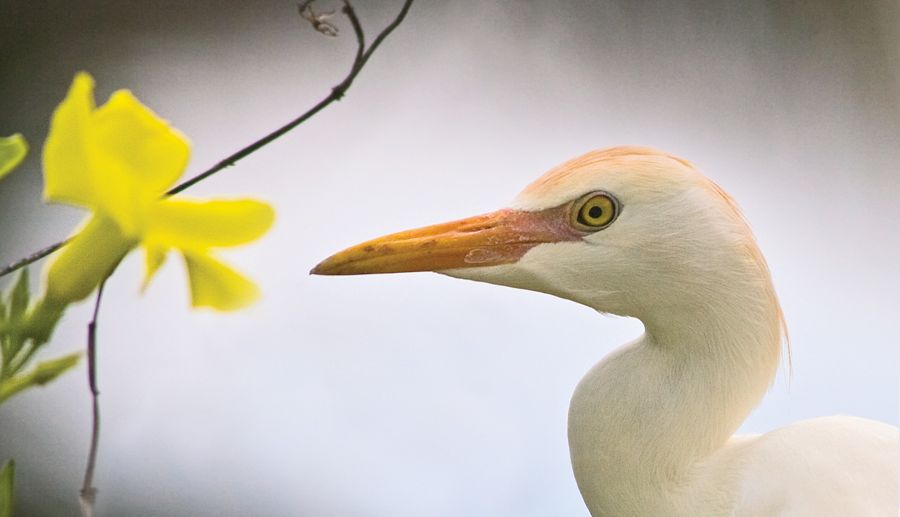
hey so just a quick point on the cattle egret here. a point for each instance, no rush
(641, 233)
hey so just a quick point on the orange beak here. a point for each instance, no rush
(500, 237)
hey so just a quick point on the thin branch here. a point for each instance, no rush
(337, 92)
(360, 39)
(34, 257)
(386, 32)
(88, 491)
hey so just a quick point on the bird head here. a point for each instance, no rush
(630, 231)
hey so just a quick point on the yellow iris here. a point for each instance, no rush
(118, 160)
(596, 211)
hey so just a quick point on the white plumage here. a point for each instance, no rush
(651, 425)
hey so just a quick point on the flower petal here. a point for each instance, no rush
(154, 257)
(80, 266)
(67, 171)
(130, 144)
(12, 151)
(216, 285)
(200, 225)
(136, 156)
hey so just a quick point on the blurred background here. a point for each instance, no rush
(417, 394)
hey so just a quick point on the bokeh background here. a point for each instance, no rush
(417, 394)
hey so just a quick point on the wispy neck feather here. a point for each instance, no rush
(657, 410)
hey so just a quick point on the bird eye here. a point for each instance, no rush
(594, 211)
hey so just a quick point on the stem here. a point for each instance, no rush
(34, 257)
(337, 92)
(88, 491)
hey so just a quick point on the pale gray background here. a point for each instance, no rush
(422, 395)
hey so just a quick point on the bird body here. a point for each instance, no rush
(640, 233)
(663, 463)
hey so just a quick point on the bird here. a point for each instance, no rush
(641, 233)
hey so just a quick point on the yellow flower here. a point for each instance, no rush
(118, 161)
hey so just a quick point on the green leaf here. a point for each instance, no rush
(12, 151)
(41, 374)
(7, 485)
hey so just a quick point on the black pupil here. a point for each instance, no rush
(595, 212)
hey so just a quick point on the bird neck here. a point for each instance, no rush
(645, 419)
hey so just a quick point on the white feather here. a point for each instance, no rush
(651, 425)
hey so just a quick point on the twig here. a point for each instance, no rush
(34, 257)
(88, 491)
(337, 92)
